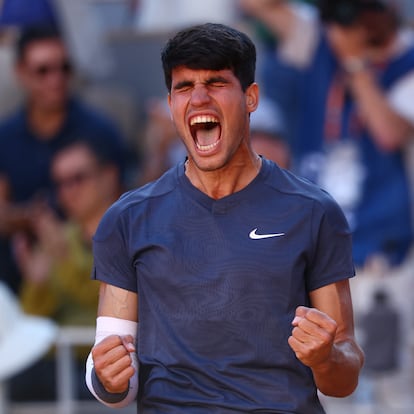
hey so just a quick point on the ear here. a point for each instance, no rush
(252, 97)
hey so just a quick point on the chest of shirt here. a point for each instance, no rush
(237, 253)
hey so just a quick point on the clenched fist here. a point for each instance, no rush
(312, 336)
(113, 363)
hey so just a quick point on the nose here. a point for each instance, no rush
(200, 95)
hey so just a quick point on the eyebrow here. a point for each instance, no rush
(183, 84)
(217, 79)
(209, 81)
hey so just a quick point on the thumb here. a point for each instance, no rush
(128, 342)
(300, 313)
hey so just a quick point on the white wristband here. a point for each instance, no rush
(106, 326)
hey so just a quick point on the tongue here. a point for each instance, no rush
(208, 136)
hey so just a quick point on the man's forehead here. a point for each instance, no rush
(183, 72)
(39, 48)
(74, 157)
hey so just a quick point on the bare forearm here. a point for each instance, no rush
(276, 15)
(118, 303)
(338, 377)
(388, 129)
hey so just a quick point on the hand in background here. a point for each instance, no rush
(348, 42)
(36, 248)
(49, 230)
(33, 262)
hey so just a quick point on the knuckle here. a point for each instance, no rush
(313, 313)
(326, 337)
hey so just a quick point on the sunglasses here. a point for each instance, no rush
(74, 180)
(44, 70)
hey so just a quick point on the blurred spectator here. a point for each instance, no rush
(56, 258)
(267, 133)
(78, 20)
(50, 117)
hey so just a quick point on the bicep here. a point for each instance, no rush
(335, 301)
(117, 303)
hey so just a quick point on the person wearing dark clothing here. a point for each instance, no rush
(237, 270)
(50, 117)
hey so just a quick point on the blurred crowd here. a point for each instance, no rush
(84, 117)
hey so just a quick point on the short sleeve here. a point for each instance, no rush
(111, 261)
(332, 259)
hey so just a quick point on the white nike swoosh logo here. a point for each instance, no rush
(253, 235)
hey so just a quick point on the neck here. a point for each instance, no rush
(45, 123)
(228, 180)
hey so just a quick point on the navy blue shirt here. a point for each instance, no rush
(218, 284)
(25, 158)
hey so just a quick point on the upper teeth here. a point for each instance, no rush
(202, 119)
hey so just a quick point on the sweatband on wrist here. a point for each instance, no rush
(106, 326)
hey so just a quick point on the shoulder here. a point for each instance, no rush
(12, 126)
(133, 205)
(290, 183)
(303, 191)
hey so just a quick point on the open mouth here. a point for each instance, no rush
(206, 131)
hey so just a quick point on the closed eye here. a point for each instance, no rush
(217, 82)
(183, 86)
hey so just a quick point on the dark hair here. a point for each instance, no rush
(345, 12)
(100, 152)
(211, 46)
(30, 34)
